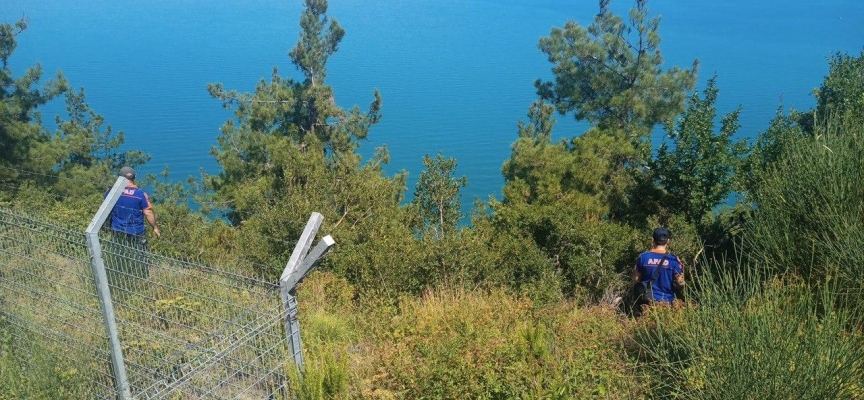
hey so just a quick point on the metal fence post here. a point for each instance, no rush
(297, 267)
(292, 325)
(121, 381)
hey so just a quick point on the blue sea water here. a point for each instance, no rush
(456, 76)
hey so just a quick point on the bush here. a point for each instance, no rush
(328, 327)
(460, 344)
(745, 339)
(809, 210)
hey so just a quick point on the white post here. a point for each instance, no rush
(121, 382)
(297, 267)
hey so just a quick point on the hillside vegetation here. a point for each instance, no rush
(517, 303)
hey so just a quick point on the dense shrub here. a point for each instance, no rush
(465, 344)
(808, 216)
(746, 339)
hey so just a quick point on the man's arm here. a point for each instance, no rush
(637, 276)
(151, 219)
(678, 280)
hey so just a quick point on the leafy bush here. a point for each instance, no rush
(328, 330)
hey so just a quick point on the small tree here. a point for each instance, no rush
(842, 92)
(610, 75)
(572, 198)
(697, 171)
(436, 196)
(67, 171)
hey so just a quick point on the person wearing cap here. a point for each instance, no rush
(132, 208)
(669, 278)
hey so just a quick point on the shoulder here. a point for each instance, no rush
(644, 258)
(677, 261)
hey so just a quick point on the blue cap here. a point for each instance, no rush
(661, 235)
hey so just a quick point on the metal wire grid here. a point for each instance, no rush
(174, 316)
(244, 363)
(46, 295)
(184, 328)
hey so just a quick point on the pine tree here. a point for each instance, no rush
(292, 150)
(20, 98)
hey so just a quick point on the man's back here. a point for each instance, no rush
(128, 213)
(662, 287)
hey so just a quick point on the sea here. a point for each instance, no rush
(456, 76)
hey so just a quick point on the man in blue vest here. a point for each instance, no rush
(128, 252)
(662, 269)
(132, 208)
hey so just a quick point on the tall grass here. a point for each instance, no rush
(808, 216)
(755, 337)
(460, 344)
(30, 369)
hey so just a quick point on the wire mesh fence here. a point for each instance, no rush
(47, 297)
(186, 330)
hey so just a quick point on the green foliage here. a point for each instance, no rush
(609, 73)
(67, 171)
(587, 255)
(314, 48)
(292, 151)
(512, 259)
(83, 157)
(842, 92)
(83, 151)
(697, 172)
(783, 131)
(329, 328)
(20, 122)
(457, 344)
(326, 366)
(808, 211)
(806, 185)
(30, 370)
(436, 196)
(323, 377)
(777, 340)
(555, 197)
(199, 235)
(573, 215)
(577, 199)
(540, 171)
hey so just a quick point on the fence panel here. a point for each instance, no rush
(193, 329)
(48, 301)
(186, 330)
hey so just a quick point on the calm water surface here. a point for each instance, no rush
(455, 75)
